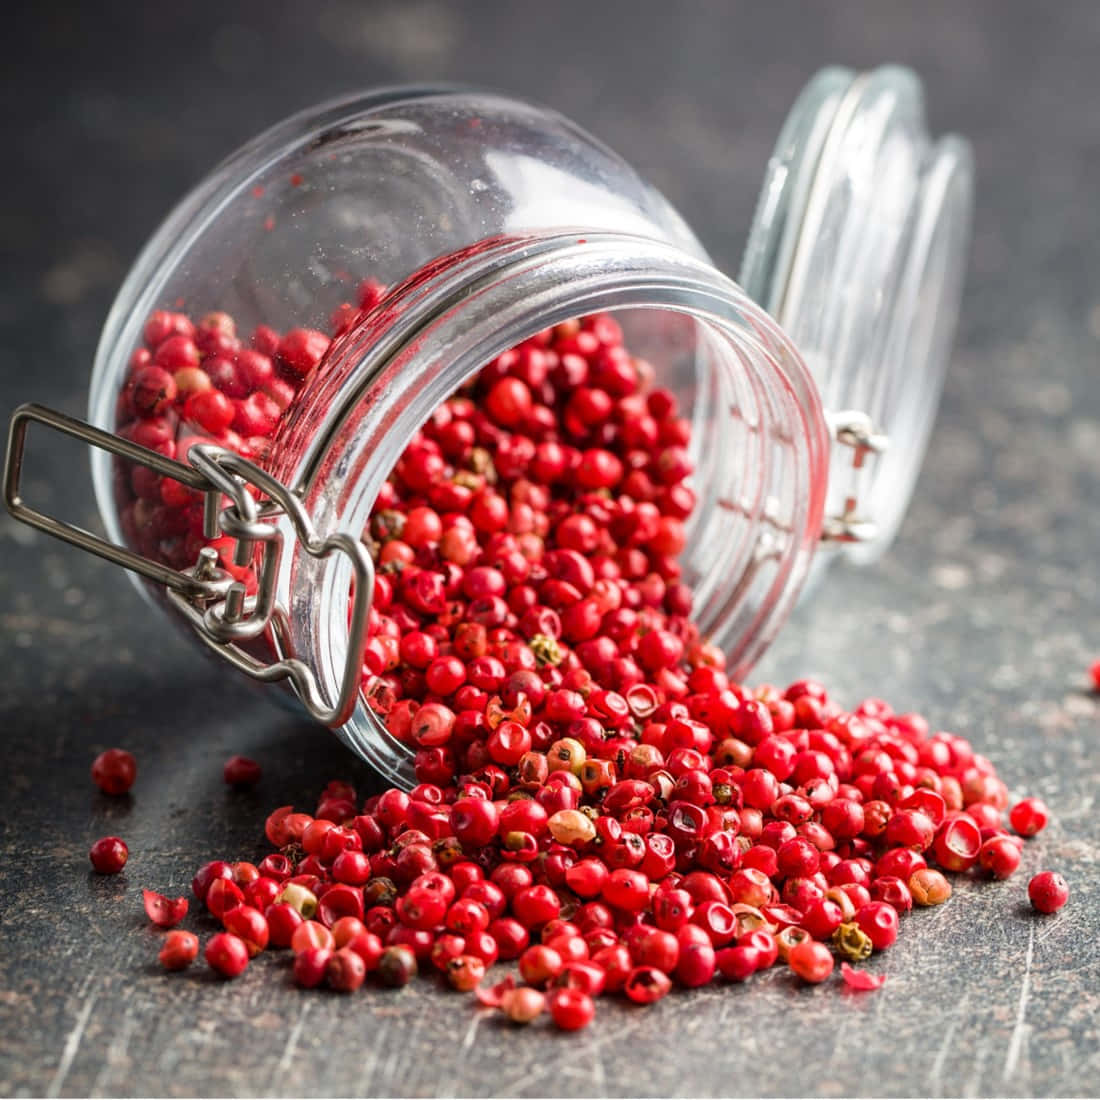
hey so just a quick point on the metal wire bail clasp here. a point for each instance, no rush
(856, 431)
(217, 605)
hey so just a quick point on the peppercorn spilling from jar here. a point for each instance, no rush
(631, 888)
(596, 799)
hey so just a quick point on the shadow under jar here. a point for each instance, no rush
(307, 308)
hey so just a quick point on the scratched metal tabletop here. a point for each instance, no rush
(983, 616)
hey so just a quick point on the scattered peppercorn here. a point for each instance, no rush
(179, 951)
(114, 771)
(345, 971)
(397, 966)
(929, 887)
(1029, 816)
(852, 942)
(1000, 856)
(163, 912)
(596, 798)
(240, 771)
(811, 961)
(465, 973)
(109, 855)
(1048, 892)
(523, 1005)
(227, 954)
(571, 1009)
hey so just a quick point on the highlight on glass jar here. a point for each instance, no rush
(425, 394)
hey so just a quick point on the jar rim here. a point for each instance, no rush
(452, 319)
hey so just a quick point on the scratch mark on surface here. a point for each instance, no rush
(370, 1064)
(1055, 926)
(291, 1042)
(593, 1050)
(116, 1050)
(389, 1067)
(974, 1083)
(72, 1041)
(935, 1073)
(471, 1033)
(599, 1076)
(1016, 1039)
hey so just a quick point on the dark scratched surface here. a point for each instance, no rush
(983, 616)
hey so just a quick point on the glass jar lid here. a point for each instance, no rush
(858, 250)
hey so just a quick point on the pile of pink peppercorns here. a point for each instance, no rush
(595, 798)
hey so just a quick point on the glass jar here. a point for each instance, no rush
(478, 222)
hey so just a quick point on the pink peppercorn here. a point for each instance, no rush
(1029, 816)
(579, 749)
(696, 964)
(282, 921)
(1048, 892)
(738, 963)
(179, 951)
(250, 926)
(345, 970)
(1000, 856)
(227, 954)
(521, 1006)
(571, 1009)
(163, 912)
(108, 855)
(207, 874)
(368, 947)
(240, 771)
(114, 771)
(878, 921)
(811, 961)
(311, 966)
(957, 843)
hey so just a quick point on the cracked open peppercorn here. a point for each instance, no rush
(162, 911)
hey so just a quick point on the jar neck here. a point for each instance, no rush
(760, 441)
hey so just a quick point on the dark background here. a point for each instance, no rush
(983, 615)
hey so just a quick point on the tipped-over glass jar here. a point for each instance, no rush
(398, 242)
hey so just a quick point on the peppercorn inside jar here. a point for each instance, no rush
(493, 432)
(527, 544)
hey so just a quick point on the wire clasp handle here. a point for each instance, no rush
(216, 604)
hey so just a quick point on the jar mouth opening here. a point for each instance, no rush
(759, 436)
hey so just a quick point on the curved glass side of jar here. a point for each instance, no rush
(291, 234)
(489, 221)
(760, 439)
(368, 187)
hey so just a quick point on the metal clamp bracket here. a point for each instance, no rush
(217, 605)
(856, 430)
